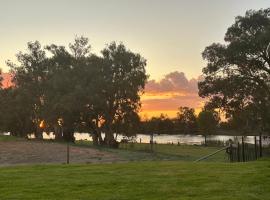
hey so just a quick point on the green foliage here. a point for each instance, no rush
(158, 125)
(16, 116)
(186, 120)
(76, 90)
(184, 123)
(124, 77)
(237, 75)
(207, 121)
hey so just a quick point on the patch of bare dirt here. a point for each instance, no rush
(37, 152)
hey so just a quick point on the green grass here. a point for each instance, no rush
(142, 152)
(9, 138)
(182, 152)
(158, 180)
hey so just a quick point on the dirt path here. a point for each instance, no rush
(34, 152)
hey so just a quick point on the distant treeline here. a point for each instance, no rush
(186, 122)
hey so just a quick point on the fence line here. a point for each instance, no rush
(243, 152)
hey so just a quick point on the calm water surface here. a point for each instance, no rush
(165, 139)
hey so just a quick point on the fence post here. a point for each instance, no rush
(67, 152)
(238, 152)
(152, 141)
(255, 147)
(243, 149)
(260, 144)
(231, 152)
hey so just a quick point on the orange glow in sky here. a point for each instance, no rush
(160, 96)
(169, 93)
(170, 35)
(6, 80)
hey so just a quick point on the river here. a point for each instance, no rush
(175, 139)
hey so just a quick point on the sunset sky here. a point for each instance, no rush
(170, 34)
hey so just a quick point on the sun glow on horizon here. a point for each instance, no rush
(147, 114)
(154, 103)
(164, 95)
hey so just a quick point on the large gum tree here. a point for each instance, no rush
(237, 75)
(71, 89)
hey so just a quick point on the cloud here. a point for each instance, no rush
(173, 82)
(171, 92)
(163, 96)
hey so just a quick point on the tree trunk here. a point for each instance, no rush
(100, 140)
(109, 139)
(38, 133)
(13, 134)
(95, 138)
(68, 133)
(58, 132)
(260, 145)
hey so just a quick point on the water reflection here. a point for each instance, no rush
(175, 139)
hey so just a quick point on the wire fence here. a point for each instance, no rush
(244, 152)
(212, 150)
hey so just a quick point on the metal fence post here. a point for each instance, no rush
(67, 152)
(151, 141)
(243, 149)
(238, 152)
(255, 147)
(231, 152)
(260, 144)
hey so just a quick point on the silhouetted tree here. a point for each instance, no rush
(28, 77)
(158, 125)
(238, 72)
(124, 78)
(16, 112)
(76, 90)
(186, 120)
(207, 122)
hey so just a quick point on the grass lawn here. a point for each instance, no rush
(182, 152)
(141, 152)
(155, 180)
(4, 138)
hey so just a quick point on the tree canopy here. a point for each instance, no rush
(237, 75)
(62, 90)
(186, 120)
